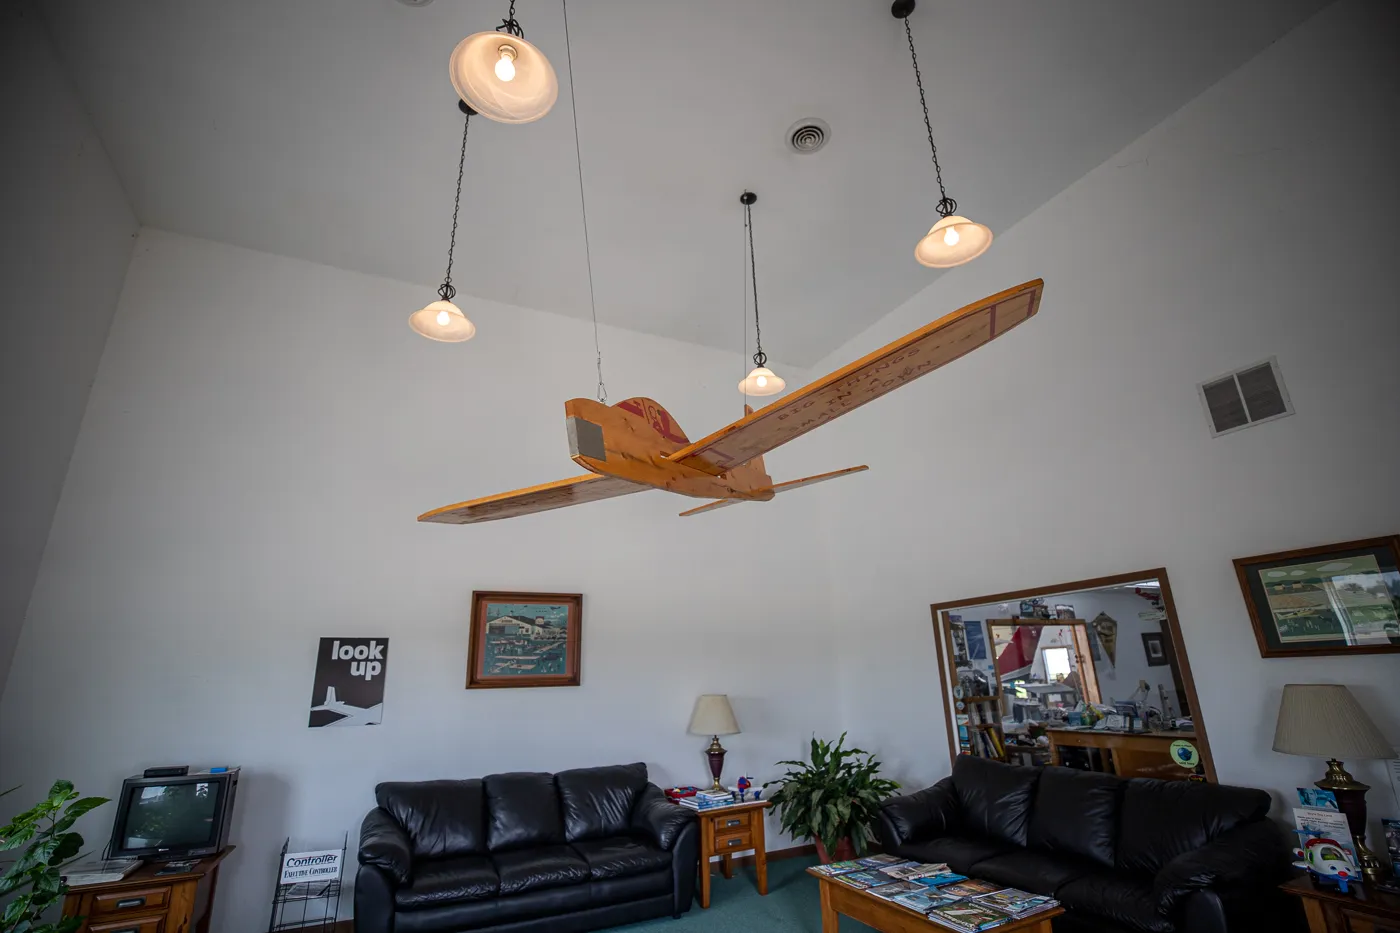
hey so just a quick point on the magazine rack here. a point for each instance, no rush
(307, 905)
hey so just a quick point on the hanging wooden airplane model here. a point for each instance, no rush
(636, 445)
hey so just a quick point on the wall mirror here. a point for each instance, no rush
(1091, 674)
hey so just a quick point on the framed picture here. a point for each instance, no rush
(525, 640)
(1336, 599)
(1155, 648)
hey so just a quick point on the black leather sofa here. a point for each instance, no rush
(1121, 855)
(524, 852)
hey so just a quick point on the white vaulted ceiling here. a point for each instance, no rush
(326, 130)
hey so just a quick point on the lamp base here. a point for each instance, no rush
(716, 755)
(1351, 800)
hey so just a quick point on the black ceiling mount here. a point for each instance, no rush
(748, 197)
(902, 8)
(466, 108)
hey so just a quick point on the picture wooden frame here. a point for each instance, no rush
(1154, 645)
(1336, 599)
(515, 640)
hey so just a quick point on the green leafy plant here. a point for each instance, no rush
(34, 878)
(834, 796)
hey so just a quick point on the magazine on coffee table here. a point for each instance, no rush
(973, 887)
(968, 916)
(867, 878)
(925, 901)
(883, 861)
(895, 888)
(938, 881)
(916, 870)
(837, 868)
(1017, 903)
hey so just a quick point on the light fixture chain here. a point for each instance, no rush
(583, 204)
(510, 24)
(447, 291)
(946, 205)
(759, 358)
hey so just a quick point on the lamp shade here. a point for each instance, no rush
(443, 321)
(953, 241)
(713, 716)
(1325, 721)
(503, 77)
(762, 381)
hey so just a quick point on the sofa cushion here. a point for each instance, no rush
(524, 870)
(1037, 872)
(1076, 812)
(495, 912)
(1124, 901)
(605, 891)
(1160, 820)
(959, 852)
(621, 856)
(448, 880)
(598, 802)
(522, 811)
(995, 797)
(442, 818)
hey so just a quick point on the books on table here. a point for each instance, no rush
(912, 871)
(969, 888)
(832, 869)
(865, 878)
(968, 916)
(99, 871)
(1016, 903)
(894, 889)
(925, 900)
(705, 799)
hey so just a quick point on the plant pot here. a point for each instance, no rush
(845, 851)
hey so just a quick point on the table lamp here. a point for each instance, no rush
(1325, 721)
(713, 717)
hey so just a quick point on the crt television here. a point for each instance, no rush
(164, 818)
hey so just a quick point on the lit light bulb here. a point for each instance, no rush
(950, 236)
(761, 381)
(443, 317)
(505, 65)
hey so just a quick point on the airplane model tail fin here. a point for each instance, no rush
(780, 487)
(330, 697)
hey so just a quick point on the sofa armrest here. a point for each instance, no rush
(1254, 855)
(374, 900)
(926, 814)
(384, 844)
(659, 818)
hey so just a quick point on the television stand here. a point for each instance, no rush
(147, 902)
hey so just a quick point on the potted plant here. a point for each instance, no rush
(833, 799)
(34, 878)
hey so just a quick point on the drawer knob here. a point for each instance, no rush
(733, 842)
(131, 902)
(128, 930)
(732, 822)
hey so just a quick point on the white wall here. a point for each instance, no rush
(1258, 220)
(65, 236)
(261, 436)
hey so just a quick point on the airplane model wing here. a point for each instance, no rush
(778, 487)
(573, 491)
(926, 349)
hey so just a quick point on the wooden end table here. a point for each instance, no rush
(145, 902)
(888, 917)
(1362, 909)
(726, 831)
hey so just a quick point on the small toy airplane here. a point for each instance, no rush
(636, 445)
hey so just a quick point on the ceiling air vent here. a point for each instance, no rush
(807, 136)
(1246, 397)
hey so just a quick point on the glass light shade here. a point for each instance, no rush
(761, 381)
(523, 98)
(953, 241)
(442, 320)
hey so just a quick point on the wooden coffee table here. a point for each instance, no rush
(888, 917)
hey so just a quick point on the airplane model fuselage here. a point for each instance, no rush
(636, 445)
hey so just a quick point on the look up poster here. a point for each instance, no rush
(349, 686)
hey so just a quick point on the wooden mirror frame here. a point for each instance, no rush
(1186, 684)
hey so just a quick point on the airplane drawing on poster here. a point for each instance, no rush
(349, 685)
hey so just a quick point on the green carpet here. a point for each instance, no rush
(792, 905)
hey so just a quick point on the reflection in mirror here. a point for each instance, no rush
(1090, 675)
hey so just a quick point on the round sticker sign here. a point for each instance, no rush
(1185, 754)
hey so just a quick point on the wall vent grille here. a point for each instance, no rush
(1246, 397)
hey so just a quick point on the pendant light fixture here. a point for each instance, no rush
(761, 380)
(442, 320)
(954, 240)
(503, 77)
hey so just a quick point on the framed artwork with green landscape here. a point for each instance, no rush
(525, 640)
(1335, 599)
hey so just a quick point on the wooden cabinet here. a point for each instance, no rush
(726, 831)
(147, 902)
